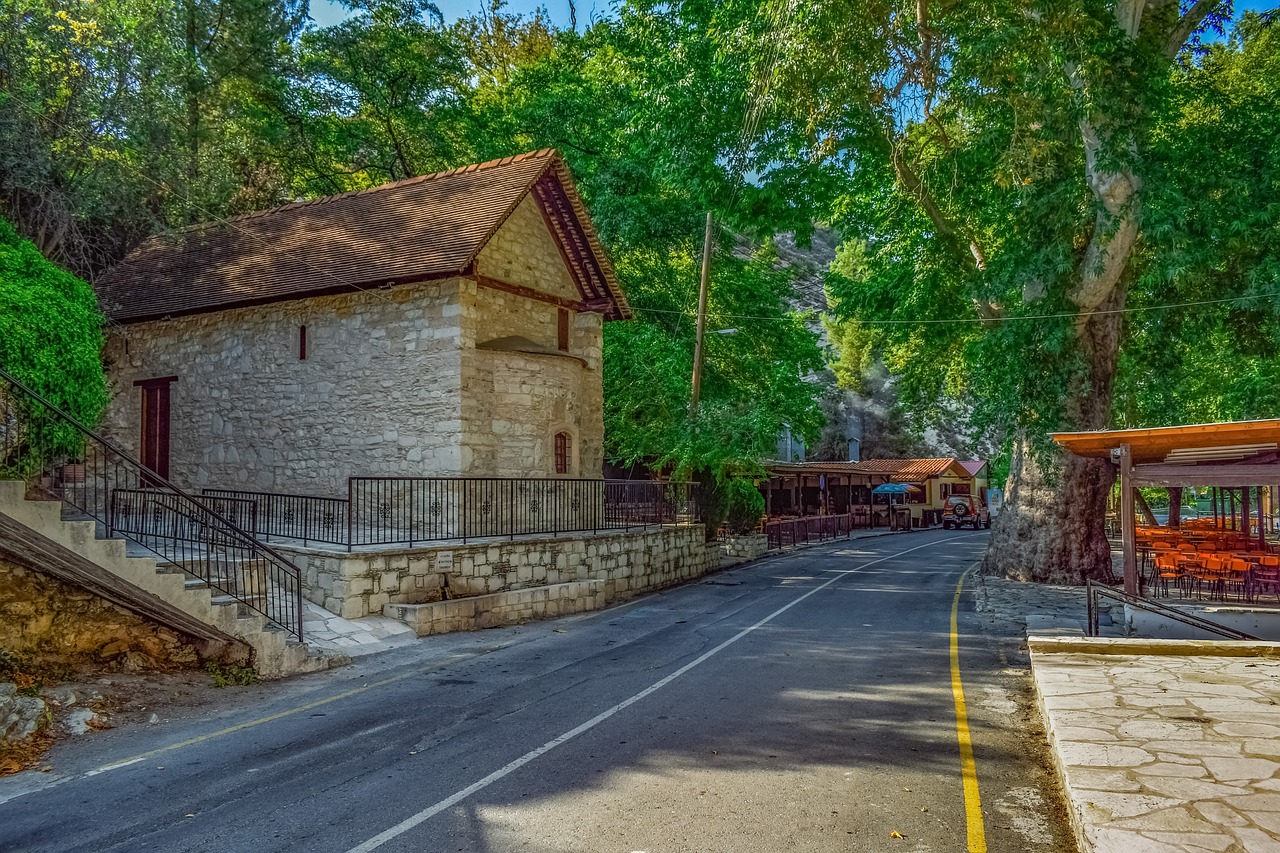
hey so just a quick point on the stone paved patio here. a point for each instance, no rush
(328, 632)
(1167, 745)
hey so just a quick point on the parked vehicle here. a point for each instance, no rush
(965, 509)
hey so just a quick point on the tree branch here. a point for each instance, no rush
(1188, 24)
(1115, 230)
(974, 258)
(1129, 15)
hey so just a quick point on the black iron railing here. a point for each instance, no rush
(206, 538)
(1094, 592)
(405, 510)
(814, 528)
(412, 510)
(308, 518)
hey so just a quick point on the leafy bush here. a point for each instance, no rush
(50, 340)
(29, 675)
(744, 505)
(228, 674)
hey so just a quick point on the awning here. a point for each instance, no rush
(1232, 454)
(1178, 444)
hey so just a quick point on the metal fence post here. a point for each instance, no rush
(351, 510)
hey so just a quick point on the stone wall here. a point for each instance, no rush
(622, 563)
(392, 384)
(742, 548)
(523, 252)
(57, 623)
(378, 393)
(515, 403)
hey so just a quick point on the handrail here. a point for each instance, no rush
(1094, 591)
(213, 548)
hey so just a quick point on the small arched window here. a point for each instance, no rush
(564, 445)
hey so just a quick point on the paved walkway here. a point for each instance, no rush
(327, 632)
(1162, 745)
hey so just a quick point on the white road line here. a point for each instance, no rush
(426, 814)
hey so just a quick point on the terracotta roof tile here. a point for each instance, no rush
(901, 469)
(419, 228)
(910, 469)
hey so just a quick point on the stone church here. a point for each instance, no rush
(447, 325)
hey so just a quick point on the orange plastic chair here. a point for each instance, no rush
(1166, 571)
(1237, 576)
(1204, 576)
(1267, 576)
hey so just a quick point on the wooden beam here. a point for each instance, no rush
(1245, 526)
(530, 293)
(1204, 475)
(1128, 527)
(1148, 517)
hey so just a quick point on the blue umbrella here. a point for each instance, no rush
(892, 489)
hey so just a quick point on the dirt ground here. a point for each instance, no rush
(116, 699)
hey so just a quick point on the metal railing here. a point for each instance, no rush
(413, 510)
(1096, 591)
(814, 528)
(205, 538)
(309, 518)
(407, 510)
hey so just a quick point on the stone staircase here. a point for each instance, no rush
(159, 591)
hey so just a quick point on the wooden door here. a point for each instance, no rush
(155, 425)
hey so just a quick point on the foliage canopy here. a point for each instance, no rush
(50, 337)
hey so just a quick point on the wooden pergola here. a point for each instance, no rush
(835, 484)
(1238, 454)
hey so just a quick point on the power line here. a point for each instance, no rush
(966, 320)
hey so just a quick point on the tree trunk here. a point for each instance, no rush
(1175, 506)
(191, 94)
(1053, 525)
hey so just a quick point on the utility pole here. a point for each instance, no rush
(702, 320)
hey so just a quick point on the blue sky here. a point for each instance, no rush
(326, 12)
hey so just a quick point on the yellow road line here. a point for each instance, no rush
(968, 773)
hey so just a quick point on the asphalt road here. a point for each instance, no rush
(803, 702)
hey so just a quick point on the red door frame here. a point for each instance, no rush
(155, 425)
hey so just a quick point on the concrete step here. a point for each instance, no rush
(275, 652)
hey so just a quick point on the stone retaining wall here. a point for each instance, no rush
(55, 622)
(745, 547)
(618, 565)
(501, 608)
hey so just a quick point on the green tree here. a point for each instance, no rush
(50, 339)
(644, 124)
(379, 94)
(997, 164)
(1211, 235)
(121, 118)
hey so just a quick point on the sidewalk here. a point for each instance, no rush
(1161, 745)
(352, 637)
